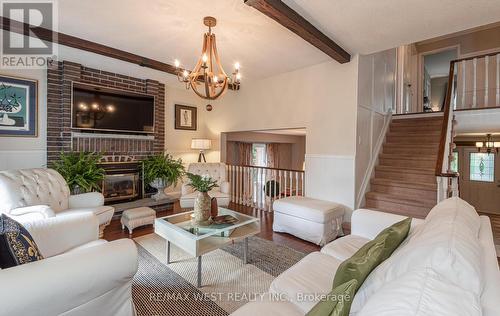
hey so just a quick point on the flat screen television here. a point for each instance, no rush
(103, 109)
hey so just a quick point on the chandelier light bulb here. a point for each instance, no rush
(204, 58)
(177, 63)
(185, 73)
(237, 66)
(216, 79)
(238, 76)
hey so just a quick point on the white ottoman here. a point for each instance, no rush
(136, 217)
(310, 219)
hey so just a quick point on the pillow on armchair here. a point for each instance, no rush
(16, 244)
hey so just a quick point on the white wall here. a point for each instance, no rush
(376, 97)
(478, 121)
(321, 98)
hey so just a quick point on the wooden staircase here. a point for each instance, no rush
(405, 180)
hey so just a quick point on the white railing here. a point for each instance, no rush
(478, 82)
(259, 187)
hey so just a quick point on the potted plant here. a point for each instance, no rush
(161, 171)
(202, 204)
(81, 171)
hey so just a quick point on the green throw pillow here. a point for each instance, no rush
(337, 302)
(373, 253)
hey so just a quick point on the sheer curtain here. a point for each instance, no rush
(273, 155)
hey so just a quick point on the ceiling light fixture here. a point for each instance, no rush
(488, 146)
(208, 79)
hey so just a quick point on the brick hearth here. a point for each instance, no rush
(59, 133)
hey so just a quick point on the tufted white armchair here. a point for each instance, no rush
(216, 171)
(34, 194)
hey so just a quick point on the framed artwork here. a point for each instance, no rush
(185, 117)
(18, 107)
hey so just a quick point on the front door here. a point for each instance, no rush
(480, 179)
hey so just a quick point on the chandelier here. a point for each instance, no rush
(208, 79)
(488, 146)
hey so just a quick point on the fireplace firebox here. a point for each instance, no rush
(122, 181)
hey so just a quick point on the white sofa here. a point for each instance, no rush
(446, 266)
(79, 275)
(42, 193)
(215, 170)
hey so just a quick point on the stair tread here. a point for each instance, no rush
(408, 156)
(423, 118)
(398, 200)
(429, 145)
(415, 133)
(405, 169)
(405, 184)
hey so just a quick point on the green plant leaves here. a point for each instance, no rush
(163, 167)
(201, 183)
(80, 170)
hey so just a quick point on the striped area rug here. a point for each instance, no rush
(163, 290)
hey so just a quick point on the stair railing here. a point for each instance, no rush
(447, 180)
(259, 187)
(478, 82)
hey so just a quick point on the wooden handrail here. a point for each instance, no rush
(268, 168)
(446, 119)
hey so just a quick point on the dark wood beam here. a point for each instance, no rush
(89, 46)
(286, 16)
(80, 43)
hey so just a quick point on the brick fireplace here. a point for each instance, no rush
(60, 136)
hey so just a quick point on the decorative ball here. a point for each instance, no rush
(209, 107)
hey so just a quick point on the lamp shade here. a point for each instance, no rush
(201, 143)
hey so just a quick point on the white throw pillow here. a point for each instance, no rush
(422, 293)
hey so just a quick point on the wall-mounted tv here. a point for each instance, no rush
(105, 109)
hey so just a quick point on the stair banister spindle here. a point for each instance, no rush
(296, 183)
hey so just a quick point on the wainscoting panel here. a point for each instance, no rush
(22, 159)
(331, 178)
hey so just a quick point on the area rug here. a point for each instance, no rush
(163, 290)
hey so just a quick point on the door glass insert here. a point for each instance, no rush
(482, 167)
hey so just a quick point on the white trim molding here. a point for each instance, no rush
(365, 185)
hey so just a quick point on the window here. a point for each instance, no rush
(482, 167)
(259, 157)
(454, 163)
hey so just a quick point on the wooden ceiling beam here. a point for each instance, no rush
(82, 44)
(287, 17)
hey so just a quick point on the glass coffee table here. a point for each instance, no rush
(177, 229)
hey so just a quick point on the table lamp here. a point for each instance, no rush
(201, 144)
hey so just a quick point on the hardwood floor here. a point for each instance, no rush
(114, 230)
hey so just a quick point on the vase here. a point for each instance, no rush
(201, 214)
(160, 185)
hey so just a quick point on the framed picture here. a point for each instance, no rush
(18, 107)
(185, 117)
